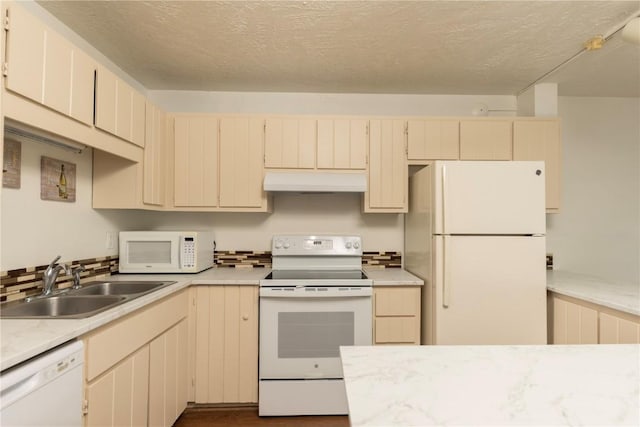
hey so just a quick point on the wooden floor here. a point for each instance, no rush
(214, 417)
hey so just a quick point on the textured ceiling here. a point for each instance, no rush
(432, 47)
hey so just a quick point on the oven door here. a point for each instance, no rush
(302, 328)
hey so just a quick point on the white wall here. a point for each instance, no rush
(598, 229)
(34, 231)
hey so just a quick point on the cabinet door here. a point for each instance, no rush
(540, 140)
(124, 110)
(119, 397)
(433, 139)
(618, 330)
(290, 143)
(25, 53)
(82, 87)
(155, 167)
(226, 365)
(138, 104)
(196, 161)
(168, 375)
(396, 313)
(485, 140)
(106, 87)
(342, 143)
(388, 182)
(241, 162)
(57, 73)
(573, 323)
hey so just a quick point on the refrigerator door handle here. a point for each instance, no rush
(445, 273)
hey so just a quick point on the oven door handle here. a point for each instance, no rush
(312, 294)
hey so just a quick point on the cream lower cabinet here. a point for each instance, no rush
(619, 328)
(225, 358)
(574, 321)
(388, 175)
(396, 315)
(136, 367)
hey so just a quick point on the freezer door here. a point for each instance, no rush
(490, 198)
(490, 290)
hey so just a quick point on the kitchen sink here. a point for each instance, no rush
(61, 306)
(92, 298)
(119, 288)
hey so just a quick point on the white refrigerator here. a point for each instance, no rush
(475, 233)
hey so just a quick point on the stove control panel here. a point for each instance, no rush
(316, 245)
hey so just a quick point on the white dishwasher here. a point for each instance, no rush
(44, 391)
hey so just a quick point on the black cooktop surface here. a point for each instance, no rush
(316, 275)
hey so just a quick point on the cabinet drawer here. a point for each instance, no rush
(107, 346)
(396, 301)
(397, 330)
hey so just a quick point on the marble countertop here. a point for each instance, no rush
(21, 339)
(493, 385)
(623, 296)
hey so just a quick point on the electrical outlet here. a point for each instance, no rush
(111, 240)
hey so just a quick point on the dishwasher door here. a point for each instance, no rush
(45, 390)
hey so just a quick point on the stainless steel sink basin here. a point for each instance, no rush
(92, 298)
(61, 306)
(119, 288)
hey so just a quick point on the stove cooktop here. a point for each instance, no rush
(316, 275)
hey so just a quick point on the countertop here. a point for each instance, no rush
(21, 339)
(622, 296)
(493, 385)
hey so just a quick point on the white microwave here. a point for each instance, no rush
(165, 251)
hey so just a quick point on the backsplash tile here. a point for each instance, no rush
(242, 259)
(25, 282)
(382, 259)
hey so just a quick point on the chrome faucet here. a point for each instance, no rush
(51, 274)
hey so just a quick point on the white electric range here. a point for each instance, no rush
(315, 300)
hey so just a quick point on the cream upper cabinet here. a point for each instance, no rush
(342, 143)
(225, 344)
(539, 139)
(486, 139)
(196, 161)
(155, 156)
(120, 109)
(290, 143)
(388, 181)
(241, 162)
(433, 139)
(46, 68)
(396, 315)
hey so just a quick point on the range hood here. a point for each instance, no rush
(315, 182)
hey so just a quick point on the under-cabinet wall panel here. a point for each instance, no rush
(226, 339)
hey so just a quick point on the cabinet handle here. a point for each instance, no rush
(245, 317)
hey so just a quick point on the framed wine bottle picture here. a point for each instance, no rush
(57, 180)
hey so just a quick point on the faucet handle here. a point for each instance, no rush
(76, 276)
